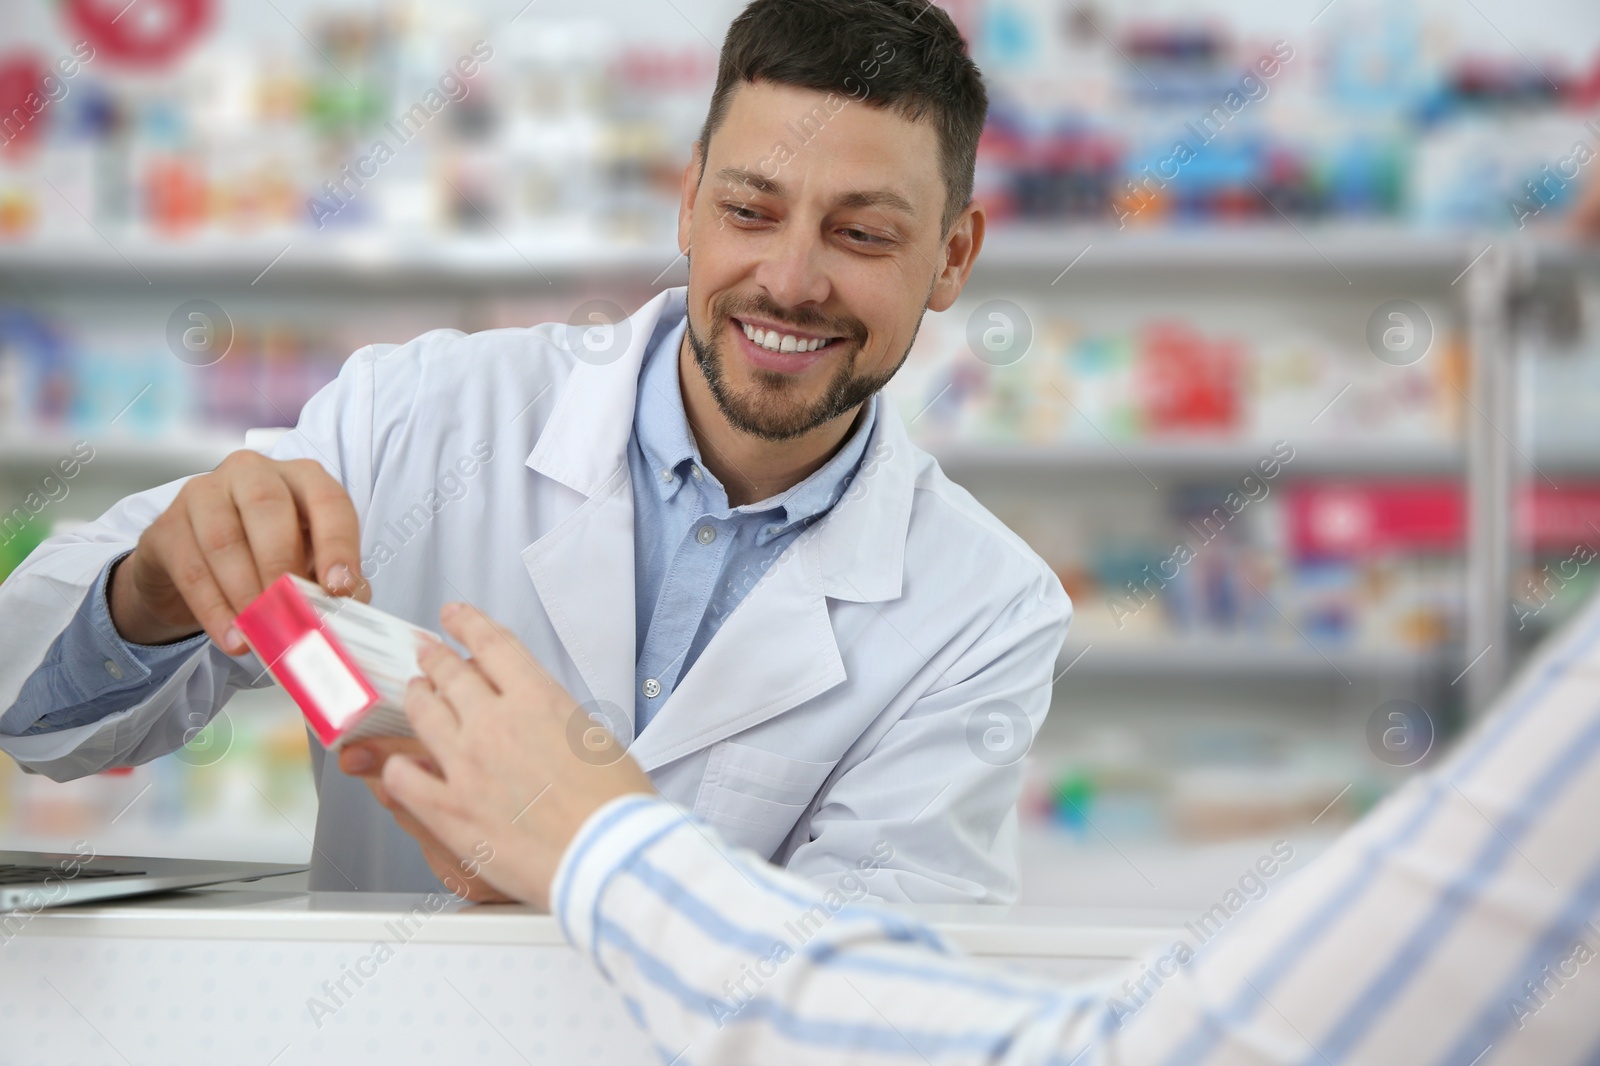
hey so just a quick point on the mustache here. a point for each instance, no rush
(805, 323)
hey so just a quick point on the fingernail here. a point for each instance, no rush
(357, 761)
(340, 579)
(450, 610)
(233, 642)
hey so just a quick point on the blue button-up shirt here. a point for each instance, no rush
(695, 557)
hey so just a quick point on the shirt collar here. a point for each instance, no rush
(662, 429)
(660, 424)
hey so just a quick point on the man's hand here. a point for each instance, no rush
(228, 535)
(460, 876)
(506, 778)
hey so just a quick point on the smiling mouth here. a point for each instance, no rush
(774, 340)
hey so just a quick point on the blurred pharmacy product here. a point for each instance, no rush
(1181, 329)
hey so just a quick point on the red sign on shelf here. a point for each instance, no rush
(1344, 518)
(1355, 518)
(1558, 520)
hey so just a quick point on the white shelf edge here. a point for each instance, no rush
(1200, 455)
(1195, 657)
(1009, 247)
(201, 451)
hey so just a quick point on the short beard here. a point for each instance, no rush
(763, 411)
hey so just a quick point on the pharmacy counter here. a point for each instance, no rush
(253, 977)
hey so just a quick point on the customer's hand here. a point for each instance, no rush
(460, 876)
(228, 535)
(506, 776)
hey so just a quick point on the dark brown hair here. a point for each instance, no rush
(839, 46)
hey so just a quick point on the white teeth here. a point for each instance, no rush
(773, 341)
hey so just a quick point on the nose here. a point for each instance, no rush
(791, 270)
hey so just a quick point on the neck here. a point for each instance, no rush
(750, 468)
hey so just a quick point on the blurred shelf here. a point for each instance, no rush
(356, 259)
(1202, 456)
(351, 260)
(1256, 247)
(1566, 459)
(1219, 659)
(192, 452)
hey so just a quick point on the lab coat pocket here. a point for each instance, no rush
(753, 796)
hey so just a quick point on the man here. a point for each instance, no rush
(1458, 924)
(703, 521)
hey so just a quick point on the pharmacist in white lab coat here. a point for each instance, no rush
(869, 660)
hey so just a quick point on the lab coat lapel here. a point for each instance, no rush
(583, 572)
(582, 567)
(778, 649)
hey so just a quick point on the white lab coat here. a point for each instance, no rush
(843, 706)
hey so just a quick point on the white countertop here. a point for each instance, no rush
(257, 974)
(256, 912)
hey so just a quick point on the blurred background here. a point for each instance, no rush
(1279, 351)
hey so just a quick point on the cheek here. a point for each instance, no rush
(887, 340)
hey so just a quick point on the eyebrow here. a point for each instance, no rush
(874, 198)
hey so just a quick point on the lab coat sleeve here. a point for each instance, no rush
(47, 594)
(940, 782)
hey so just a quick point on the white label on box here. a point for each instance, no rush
(326, 678)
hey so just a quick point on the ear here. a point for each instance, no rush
(691, 188)
(960, 253)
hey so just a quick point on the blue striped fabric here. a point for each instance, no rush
(1359, 960)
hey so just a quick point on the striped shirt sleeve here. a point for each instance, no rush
(1457, 925)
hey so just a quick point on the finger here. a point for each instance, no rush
(423, 794)
(374, 785)
(367, 757)
(271, 522)
(433, 720)
(223, 544)
(180, 556)
(335, 530)
(458, 681)
(502, 658)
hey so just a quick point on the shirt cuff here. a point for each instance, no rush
(608, 839)
(152, 657)
(88, 661)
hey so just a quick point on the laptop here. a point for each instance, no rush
(33, 880)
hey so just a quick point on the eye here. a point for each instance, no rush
(741, 212)
(863, 237)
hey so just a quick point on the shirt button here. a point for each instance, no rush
(695, 470)
(666, 475)
(705, 534)
(772, 531)
(652, 688)
(113, 669)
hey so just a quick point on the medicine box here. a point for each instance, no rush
(345, 663)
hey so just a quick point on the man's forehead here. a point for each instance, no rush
(771, 131)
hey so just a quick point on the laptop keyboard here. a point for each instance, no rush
(14, 874)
